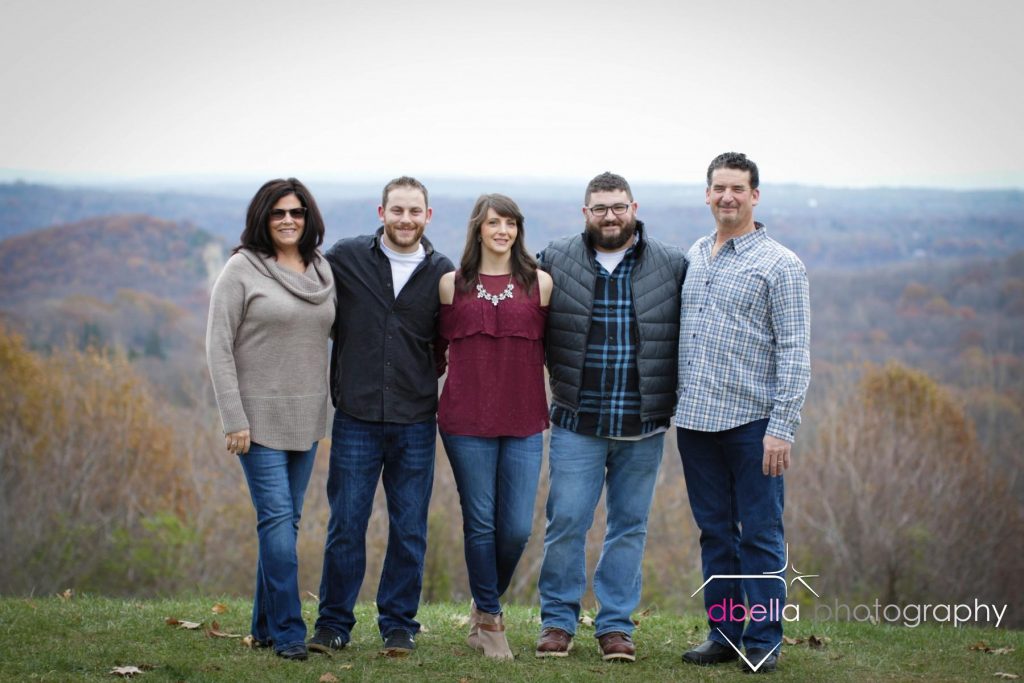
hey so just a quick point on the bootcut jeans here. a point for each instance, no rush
(363, 453)
(277, 485)
(738, 510)
(580, 468)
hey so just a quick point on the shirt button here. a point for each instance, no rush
(699, 310)
(694, 336)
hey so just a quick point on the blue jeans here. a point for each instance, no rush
(739, 513)
(277, 484)
(580, 466)
(360, 453)
(497, 480)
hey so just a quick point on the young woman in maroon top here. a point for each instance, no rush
(493, 406)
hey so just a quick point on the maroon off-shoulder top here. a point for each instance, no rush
(495, 384)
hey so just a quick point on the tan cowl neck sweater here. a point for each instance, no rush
(266, 346)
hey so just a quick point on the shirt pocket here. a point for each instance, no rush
(741, 296)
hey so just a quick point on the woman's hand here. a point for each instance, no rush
(237, 442)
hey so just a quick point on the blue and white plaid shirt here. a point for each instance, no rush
(744, 336)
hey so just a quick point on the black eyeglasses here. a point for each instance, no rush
(279, 214)
(602, 210)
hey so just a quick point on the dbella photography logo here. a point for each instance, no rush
(776, 609)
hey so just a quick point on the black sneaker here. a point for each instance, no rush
(295, 652)
(325, 640)
(398, 644)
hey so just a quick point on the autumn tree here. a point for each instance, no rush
(92, 491)
(899, 503)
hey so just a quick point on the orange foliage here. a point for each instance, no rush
(905, 505)
(84, 456)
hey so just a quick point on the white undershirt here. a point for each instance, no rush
(611, 259)
(402, 265)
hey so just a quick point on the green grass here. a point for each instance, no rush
(81, 639)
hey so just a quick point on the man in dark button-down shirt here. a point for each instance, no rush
(384, 385)
(744, 367)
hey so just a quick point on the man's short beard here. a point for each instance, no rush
(612, 243)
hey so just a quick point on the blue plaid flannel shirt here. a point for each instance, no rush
(610, 392)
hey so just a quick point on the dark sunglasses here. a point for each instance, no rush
(279, 214)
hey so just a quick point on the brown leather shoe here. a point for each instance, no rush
(616, 647)
(554, 642)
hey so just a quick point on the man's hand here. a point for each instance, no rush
(776, 456)
(238, 442)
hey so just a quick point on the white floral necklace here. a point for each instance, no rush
(495, 299)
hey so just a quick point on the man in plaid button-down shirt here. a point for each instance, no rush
(744, 367)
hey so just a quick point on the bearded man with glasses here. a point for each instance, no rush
(612, 342)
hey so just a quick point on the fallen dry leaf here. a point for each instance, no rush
(982, 646)
(817, 643)
(587, 621)
(215, 632)
(125, 671)
(461, 621)
(345, 666)
(67, 594)
(1008, 676)
(328, 678)
(190, 625)
(219, 608)
(424, 629)
(792, 641)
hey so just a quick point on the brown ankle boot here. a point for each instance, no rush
(473, 640)
(491, 636)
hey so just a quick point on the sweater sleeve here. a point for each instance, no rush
(227, 308)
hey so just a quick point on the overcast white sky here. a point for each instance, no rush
(858, 93)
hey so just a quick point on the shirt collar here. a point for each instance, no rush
(744, 242)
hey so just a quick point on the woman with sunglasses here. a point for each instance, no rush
(271, 312)
(493, 406)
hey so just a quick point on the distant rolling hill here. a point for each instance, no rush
(99, 256)
(829, 228)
